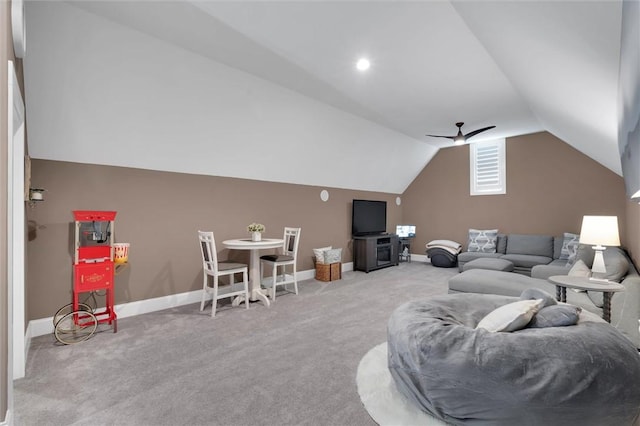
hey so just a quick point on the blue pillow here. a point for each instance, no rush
(555, 316)
(536, 293)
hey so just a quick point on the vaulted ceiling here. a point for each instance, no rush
(523, 66)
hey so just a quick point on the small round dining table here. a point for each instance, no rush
(255, 292)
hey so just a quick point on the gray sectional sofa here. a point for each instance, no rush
(625, 305)
(524, 251)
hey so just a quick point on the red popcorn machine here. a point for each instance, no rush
(93, 273)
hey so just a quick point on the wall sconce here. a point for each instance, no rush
(35, 194)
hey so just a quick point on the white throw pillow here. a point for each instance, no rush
(579, 269)
(511, 317)
(333, 256)
(319, 253)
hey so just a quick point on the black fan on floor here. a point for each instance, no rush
(461, 138)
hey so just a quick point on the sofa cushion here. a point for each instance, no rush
(579, 269)
(556, 267)
(526, 260)
(510, 284)
(501, 244)
(482, 240)
(468, 256)
(491, 282)
(596, 297)
(537, 245)
(557, 247)
(616, 264)
(489, 263)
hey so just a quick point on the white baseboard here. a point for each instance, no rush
(420, 257)
(42, 326)
(8, 419)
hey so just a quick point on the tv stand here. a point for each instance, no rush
(371, 252)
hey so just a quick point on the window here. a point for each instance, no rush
(487, 161)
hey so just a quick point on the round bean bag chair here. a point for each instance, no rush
(584, 374)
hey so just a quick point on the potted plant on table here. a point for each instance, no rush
(256, 230)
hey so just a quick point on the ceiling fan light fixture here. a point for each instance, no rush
(461, 138)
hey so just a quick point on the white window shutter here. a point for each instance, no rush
(487, 163)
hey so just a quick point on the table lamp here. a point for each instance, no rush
(599, 231)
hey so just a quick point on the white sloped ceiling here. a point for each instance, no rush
(563, 58)
(241, 88)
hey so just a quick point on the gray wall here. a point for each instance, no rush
(550, 186)
(159, 214)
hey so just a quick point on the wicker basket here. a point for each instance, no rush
(328, 272)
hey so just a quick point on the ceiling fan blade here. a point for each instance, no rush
(440, 143)
(438, 136)
(475, 132)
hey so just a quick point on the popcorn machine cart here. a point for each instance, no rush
(93, 272)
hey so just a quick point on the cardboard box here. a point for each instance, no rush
(328, 272)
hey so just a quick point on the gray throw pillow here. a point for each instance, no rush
(483, 241)
(616, 264)
(555, 316)
(536, 293)
(579, 269)
(586, 253)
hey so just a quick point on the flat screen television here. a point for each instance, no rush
(368, 217)
(406, 231)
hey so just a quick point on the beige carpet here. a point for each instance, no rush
(292, 364)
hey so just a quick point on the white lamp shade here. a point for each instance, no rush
(600, 231)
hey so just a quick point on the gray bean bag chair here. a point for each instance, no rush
(584, 374)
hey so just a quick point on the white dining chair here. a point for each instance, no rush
(215, 269)
(288, 257)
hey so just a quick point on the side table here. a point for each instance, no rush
(563, 281)
(404, 249)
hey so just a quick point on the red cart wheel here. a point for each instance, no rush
(68, 308)
(75, 327)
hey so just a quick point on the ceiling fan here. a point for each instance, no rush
(461, 138)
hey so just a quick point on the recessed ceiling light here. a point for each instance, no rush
(363, 64)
